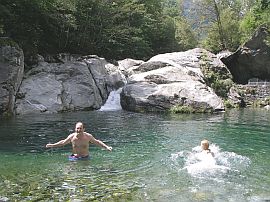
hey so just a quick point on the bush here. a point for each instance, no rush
(219, 79)
(182, 109)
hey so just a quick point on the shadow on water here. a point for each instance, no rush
(155, 157)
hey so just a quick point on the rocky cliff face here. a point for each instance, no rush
(252, 60)
(166, 81)
(12, 69)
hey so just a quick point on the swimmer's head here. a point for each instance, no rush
(79, 128)
(205, 144)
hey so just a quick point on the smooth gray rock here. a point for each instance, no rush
(69, 86)
(172, 79)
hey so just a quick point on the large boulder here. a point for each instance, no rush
(252, 60)
(12, 69)
(126, 66)
(170, 80)
(115, 78)
(66, 86)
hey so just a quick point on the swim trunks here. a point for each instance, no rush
(73, 157)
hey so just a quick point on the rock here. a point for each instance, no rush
(4, 199)
(223, 54)
(172, 79)
(235, 99)
(126, 66)
(12, 69)
(252, 60)
(128, 63)
(115, 79)
(66, 86)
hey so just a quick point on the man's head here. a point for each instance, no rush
(205, 144)
(79, 128)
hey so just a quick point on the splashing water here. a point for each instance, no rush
(201, 165)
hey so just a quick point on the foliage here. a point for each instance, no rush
(185, 37)
(182, 109)
(217, 78)
(261, 102)
(127, 28)
(37, 26)
(259, 15)
(231, 40)
(111, 29)
(228, 104)
(4, 41)
(221, 87)
(216, 22)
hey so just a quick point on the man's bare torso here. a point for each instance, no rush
(80, 144)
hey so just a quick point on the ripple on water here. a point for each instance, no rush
(147, 162)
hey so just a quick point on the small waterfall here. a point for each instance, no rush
(113, 101)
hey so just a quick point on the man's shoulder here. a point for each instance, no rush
(88, 135)
(71, 135)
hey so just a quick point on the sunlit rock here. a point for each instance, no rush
(68, 86)
(173, 79)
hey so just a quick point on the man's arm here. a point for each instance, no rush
(98, 142)
(60, 143)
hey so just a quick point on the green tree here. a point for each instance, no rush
(230, 33)
(38, 26)
(258, 15)
(217, 23)
(125, 37)
(184, 36)
(112, 29)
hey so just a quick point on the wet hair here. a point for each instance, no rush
(205, 142)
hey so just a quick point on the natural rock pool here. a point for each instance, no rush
(153, 157)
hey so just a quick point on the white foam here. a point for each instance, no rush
(200, 164)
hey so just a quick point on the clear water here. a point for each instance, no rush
(154, 158)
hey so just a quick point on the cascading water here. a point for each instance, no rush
(113, 101)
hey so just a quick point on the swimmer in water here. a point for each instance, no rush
(205, 147)
(80, 142)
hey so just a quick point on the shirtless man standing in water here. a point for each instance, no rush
(80, 142)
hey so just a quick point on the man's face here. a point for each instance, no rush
(79, 128)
